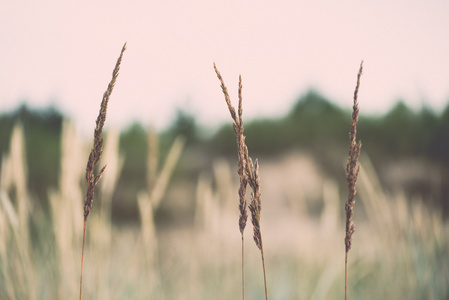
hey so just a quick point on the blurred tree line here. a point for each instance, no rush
(313, 124)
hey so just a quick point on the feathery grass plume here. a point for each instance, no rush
(248, 174)
(242, 155)
(241, 147)
(95, 155)
(352, 171)
(255, 206)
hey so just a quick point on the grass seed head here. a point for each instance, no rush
(352, 168)
(97, 148)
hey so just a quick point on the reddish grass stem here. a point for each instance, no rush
(264, 273)
(243, 268)
(82, 258)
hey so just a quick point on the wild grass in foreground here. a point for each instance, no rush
(95, 155)
(249, 174)
(352, 172)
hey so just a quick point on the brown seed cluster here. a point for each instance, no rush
(255, 206)
(248, 172)
(352, 169)
(241, 147)
(97, 149)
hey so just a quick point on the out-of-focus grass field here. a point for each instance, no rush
(183, 242)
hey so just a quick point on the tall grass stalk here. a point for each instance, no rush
(95, 155)
(352, 171)
(16, 205)
(248, 173)
(157, 183)
(66, 218)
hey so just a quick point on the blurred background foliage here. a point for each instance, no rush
(314, 125)
(42, 139)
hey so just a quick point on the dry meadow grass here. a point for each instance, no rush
(400, 251)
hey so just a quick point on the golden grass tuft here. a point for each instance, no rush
(150, 199)
(16, 206)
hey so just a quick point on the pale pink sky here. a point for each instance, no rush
(58, 52)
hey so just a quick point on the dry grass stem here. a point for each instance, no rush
(95, 154)
(163, 178)
(352, 171)
(241, 147)
(249, 174)
(16, 204)
(255, 206)
(97, 148)
(148, 229)
(150, 199)
(152, 158)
